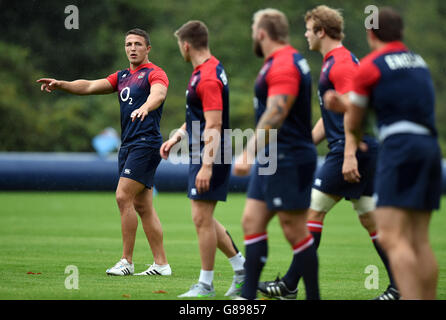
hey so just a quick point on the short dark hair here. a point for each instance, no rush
(139, 32)
(195, 32)
(390, 27)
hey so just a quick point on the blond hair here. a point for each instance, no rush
(327, 19)
(274, 22)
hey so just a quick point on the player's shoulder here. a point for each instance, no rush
(284, 55)
(209, 69)
(370, 59)
(284, 60)
(155, 67)
(389, 48)
(342, 57)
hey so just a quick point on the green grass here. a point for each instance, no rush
(46, 232)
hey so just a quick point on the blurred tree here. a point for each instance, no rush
(35, 43)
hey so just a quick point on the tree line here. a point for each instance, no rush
(36, 43)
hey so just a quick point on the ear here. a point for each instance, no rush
(149, 47)
(321, 33)
(371, 35)
(261, 34)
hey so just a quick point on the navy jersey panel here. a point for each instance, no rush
(210, 70)
(219, 184)
(329, 178)
(411, 182)
(404, 94)
(295, 132)
(399, 86)
(133, 90)
(338, 68)
(139, 163)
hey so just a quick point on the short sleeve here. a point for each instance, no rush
(113, 79)
(282, 80)
(363, 83)
(341, 76)
(210, 93)
(158, 76)
(365, 79)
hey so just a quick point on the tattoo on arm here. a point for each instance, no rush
(274, 115)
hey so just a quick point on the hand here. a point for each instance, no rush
(333, 102)
(139, 113)
(48, 84)
(203, 179)
(241, 166)
(166, 147)
(350, 169)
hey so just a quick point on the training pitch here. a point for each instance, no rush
(41, 234)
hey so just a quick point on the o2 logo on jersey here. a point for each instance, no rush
(223, 78)
(125, 95)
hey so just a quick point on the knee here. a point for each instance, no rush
(294, 227)
(316, 215)
(367, 221)
(142, 207)
(246, 223)
(202, 221)
(123, 198)
(251, 224)
(391, 242)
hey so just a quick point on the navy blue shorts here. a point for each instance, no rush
(139, 163)
(408, 173)
(288, 189)
(329, 178)
(219, 184)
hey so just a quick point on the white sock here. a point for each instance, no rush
(159, 265)
(237, 262)
(206, 276)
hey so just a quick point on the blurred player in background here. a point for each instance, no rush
(324, 34)
(397, 84)
(207, 116)
(142, 90)
(282, 103)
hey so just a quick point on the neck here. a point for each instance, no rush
(379, 44)
(199, 57)
(328, 45)
(271, 46)
(133, 66)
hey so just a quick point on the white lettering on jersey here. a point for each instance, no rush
(404, 61)
(304, 67)
(223, 78)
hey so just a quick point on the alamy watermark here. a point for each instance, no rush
(72, 20)
(372, 20)
(371, 282)
(233, 141)
(72, 280)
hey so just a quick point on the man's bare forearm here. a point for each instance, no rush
(273, 116)
(212, 138)
(79, 87)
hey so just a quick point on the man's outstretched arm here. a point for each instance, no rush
(79, 87)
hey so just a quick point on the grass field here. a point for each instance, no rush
(43, 233)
